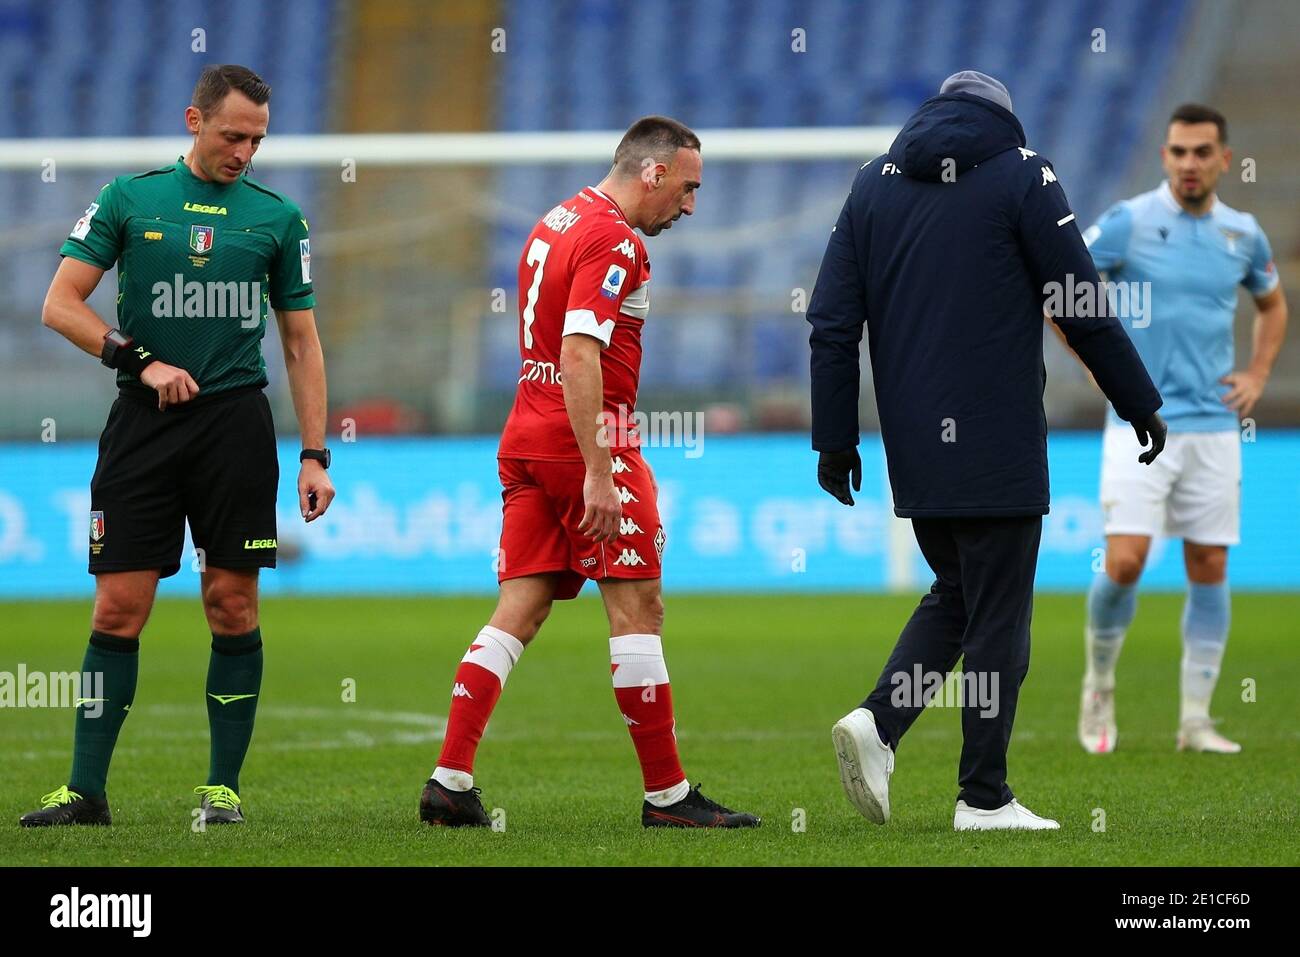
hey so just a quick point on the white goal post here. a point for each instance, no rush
(449, 149)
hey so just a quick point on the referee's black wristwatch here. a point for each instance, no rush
(121, 352)
(318, 455)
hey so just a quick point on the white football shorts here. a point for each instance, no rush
(1191, 491)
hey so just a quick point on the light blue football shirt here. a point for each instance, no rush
(1194, 265)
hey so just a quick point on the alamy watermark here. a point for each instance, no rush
(1128, 301)
(180, 299)
(935, 689)
(53, 689)
(76, 909)
(665, 430)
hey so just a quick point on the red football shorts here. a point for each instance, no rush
(542, 510)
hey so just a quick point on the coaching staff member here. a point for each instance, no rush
(200, 249)
(945, 250)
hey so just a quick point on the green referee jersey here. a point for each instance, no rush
(197, 264)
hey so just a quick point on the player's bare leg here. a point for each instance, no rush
(449, 796)
(123, 601)
(233, 686)
(523, 606)
(1112, 603)
(1206, 616)
(635, 610)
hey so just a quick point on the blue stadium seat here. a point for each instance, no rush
(730, 63)
(59, 81)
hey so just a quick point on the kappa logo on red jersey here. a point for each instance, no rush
(458, 690)
(629, 557)
(628, 526)
(625, 496)
(620, 466)
(626, 248)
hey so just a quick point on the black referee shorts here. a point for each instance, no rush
(211, 461)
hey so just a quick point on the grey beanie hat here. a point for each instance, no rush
(979, 84)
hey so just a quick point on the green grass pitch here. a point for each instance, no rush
(757, 680)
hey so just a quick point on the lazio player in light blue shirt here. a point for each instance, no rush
(1194, 251)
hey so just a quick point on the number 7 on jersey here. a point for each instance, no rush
(537, 253)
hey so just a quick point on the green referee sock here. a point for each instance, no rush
(234, 681)
(113, 664)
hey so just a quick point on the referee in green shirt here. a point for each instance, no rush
(200, 250)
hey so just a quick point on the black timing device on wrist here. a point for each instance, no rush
(317, 455)
(121, 352)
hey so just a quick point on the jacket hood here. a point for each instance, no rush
(966, 128)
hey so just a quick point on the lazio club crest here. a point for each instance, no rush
(1231, 236)
(200, 238)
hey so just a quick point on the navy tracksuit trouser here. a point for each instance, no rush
(978, 610)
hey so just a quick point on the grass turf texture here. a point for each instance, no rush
(757, 680)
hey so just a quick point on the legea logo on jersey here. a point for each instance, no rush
(614, 280)
(179, 299)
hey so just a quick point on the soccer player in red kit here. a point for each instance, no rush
(580, 501)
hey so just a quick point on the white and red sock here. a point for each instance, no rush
(645, 699)
(479, 681)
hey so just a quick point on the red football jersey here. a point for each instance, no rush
(583, 270)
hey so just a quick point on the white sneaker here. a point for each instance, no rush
(866, 763)
(1010, 817)
(1097, 730)
(1198, 734)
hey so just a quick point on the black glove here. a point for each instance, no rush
(1154, 428)
(833, 471)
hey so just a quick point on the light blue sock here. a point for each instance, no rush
(1206, 615)
(1111, 608)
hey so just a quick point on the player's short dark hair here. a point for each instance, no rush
(656, 137)
(218, 79)
(1199, 113)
